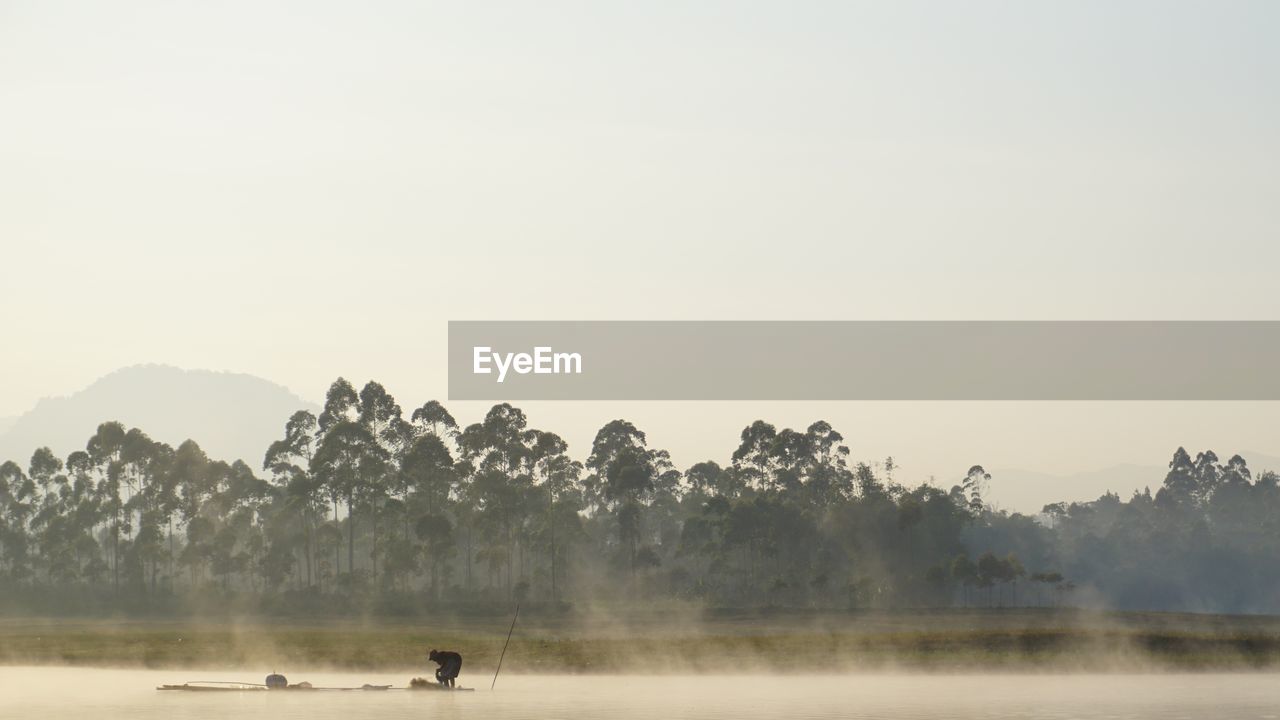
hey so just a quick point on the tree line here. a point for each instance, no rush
(368, 506)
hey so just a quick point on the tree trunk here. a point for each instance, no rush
(171, 553)
(468, 557)
(115, 557)
(554, 596)
(337, 549)
(351, 536)
(307, 540)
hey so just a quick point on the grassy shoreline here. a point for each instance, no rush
(665, 642)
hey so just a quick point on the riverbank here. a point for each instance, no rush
(658, 642)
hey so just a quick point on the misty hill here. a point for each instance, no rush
(1028, 491)
(231, 415)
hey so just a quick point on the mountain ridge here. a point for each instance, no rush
(1028, 491)
(231, 415)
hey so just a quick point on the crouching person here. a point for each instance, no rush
(450, 665)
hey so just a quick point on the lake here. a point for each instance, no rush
(93, 694)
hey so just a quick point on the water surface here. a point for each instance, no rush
(84, 694)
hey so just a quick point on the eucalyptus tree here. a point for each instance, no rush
(227, 530)
(497, 455)
(871, 488)
(1237, 510)
(435, 532)
(346, 456)
(289, 462)
(706, 480)
(662, 512)
(797, 478)
(50, 523)
(341, 403)
(756, 456)
(624, 476)
(990, 571)
(972, 487)
(191, 484)
(910, 515)
(212, 492)
(428, 473)
(328, 540)
(341, 407)
(1012, 571)
(45, 471)
(138, 454)
(827, 478)
(1179, 487)
(144, 465)
(1208, 475)
(16, 500)
(429, 478)
(557, 477)
(965, 574)
(812, 464)
(433, 418)
(104, 449)
(391, 437)
(191, 478)
(703, 545)
(234, 544)
(84, 506)
(198, 550)
(1235, 473)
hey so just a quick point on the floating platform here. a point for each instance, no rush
(220, 686)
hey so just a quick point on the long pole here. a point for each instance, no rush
(504, 647)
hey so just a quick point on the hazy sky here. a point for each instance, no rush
(302, 190)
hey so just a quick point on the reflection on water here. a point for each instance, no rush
(81, 694)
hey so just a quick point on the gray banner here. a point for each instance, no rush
(856, 360)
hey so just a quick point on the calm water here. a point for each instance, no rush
(55, 694)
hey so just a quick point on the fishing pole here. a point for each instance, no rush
(504, 647)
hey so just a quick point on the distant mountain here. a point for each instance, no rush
(1028, 491)
(232, 415)
(1259, 462)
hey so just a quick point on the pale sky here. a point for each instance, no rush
(306, 190)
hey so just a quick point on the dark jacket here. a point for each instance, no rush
(450, 664)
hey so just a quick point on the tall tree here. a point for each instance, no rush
(348, 454)
(391, 436)
(289, 462)
(624, 475)
(496, 452)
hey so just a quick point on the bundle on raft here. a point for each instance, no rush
(425, 684)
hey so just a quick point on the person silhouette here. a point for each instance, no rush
(450, 665)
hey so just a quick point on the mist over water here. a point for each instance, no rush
(73, 693)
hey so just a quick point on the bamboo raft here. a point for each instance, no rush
(232, 686)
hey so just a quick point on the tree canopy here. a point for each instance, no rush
(360, 506)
